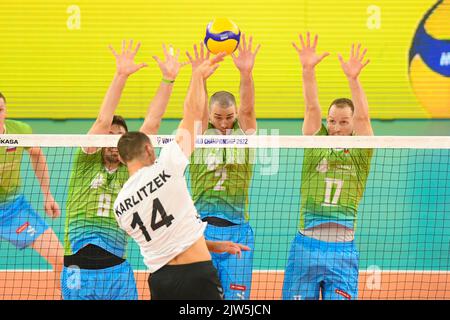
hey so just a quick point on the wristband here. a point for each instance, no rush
(167, 81)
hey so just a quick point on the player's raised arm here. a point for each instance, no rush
(125, 66)
(170, 68)
(309, 59)
(196, 61)
(244, 62)
(352, 68)
(39, 164)
(2, 113)
(194, 104)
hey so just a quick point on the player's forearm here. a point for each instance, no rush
(247, 94)
(205, 116)
(193, 111)
(212, 246)
(359, 100)
(310, 90)
(195, 100)
(39, 164)
(110, 102)
(157, 108)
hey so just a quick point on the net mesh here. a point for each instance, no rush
(402, 230)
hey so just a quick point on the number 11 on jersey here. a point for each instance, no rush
(328, 201)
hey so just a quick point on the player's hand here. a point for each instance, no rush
(352, 68)
(307, 54)
(199, 57)
(229, 247)
(246, 58)
(51, 207)
(207, 68)
(125, 60)
(170, 66)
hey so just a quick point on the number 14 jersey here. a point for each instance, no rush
(155, 208)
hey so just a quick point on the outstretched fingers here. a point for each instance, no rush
(323, 56)
(363, 55)
(136, 50)
(257, 49)
(302, 41)
(113, 51)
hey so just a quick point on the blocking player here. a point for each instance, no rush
(20, 224)
(323, 256)
(155, 208)
(220, 178)
(95, 265)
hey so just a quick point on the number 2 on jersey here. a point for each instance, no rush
(222, 173)
(157, 208)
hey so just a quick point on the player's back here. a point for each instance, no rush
(156, 209)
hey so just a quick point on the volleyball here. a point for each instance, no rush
(429, 61)
(222, 35)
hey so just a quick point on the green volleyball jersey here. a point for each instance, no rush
(220, 180)
(10, 160)
(333, 183)
(89, 209)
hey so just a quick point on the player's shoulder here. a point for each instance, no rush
(17, 127)
(170, 152)
(362, 152)
(323, 131)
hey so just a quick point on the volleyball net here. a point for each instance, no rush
(391, 194)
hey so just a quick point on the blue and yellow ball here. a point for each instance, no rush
(222, 35)
(429, 61)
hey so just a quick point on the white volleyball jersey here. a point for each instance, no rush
(155, 208)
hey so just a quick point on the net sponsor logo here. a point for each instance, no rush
(9, 141)
(11, 149)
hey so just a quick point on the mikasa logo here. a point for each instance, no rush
(9, 141)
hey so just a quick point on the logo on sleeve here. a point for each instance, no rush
(322, 167)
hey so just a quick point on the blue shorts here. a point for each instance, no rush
(235, 273)
(20, 224)
(114, 283)
(314, 266)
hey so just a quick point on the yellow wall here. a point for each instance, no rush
(48, 70)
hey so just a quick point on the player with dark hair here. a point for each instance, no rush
(95, 247)
(323, 256)
(155, 208)
(20, 224)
